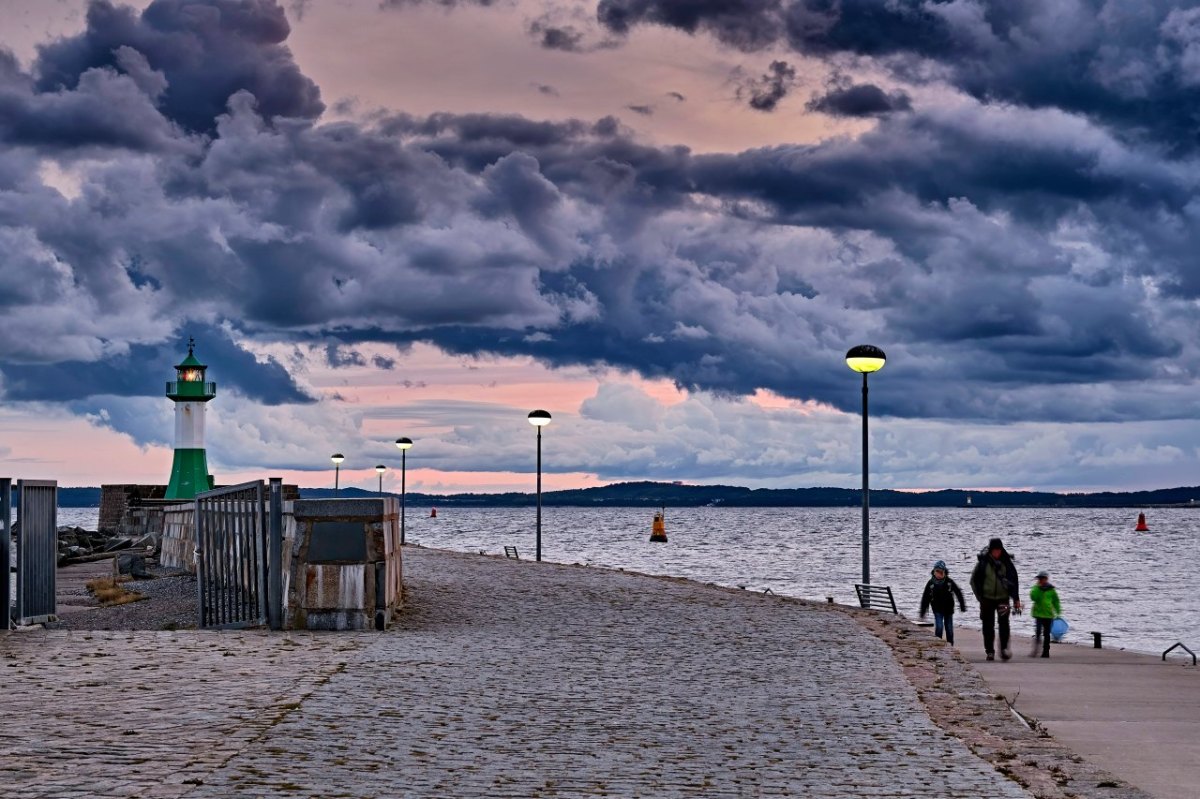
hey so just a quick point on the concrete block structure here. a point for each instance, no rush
(342, 564)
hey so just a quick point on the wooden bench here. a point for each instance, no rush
(511, 552)
(875, 597)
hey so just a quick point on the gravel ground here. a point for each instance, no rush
(170, 604)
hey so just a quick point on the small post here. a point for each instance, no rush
(381, 608)
(1096, 640)
(275, 555)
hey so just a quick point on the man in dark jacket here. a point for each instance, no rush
(994, 583)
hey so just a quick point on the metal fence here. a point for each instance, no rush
(36, 549)
(6, 551)
(235, 556)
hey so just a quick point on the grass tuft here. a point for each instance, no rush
(110, 592)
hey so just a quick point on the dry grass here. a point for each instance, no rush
(109, 592)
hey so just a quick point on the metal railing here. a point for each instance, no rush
(232, 556)
(1179, 645)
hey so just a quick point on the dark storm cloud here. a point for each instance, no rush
(106, 108)
(1016, 263)
(859, 100)
(205, 51)
(341, 357)
(382, 362)
(1130, 63)
(745, 24)
(764, 92)
(557, 37)
(144, 370)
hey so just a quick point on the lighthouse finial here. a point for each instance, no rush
(191, 344)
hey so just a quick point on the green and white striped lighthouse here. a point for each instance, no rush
(189, 392)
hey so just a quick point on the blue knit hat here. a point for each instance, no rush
(941, 564)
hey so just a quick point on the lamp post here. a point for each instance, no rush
(865, 359)
(539, 419)
(403, 444)
(380, 469)
(337, 459)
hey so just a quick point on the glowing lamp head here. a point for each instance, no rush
(337, 458)
(865, 358)
(539, 418)
(404, 443)
(381, 468)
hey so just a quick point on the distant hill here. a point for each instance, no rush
(652, 494)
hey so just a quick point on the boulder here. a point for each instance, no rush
(133, 565)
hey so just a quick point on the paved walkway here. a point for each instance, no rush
(1131, 713)
(505, 679)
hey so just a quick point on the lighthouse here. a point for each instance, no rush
(190, 393)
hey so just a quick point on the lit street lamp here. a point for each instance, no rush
(403, 444)
(539, 419)
(380, 469)
(865, 359)
(337, 459)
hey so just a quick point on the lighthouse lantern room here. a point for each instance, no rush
(190, 393)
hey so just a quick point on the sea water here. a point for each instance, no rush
(1141, 590)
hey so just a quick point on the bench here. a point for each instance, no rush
(875, 597)
(511, 552)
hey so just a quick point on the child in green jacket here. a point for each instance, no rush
(1046, 608)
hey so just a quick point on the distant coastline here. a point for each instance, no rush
(654, 494)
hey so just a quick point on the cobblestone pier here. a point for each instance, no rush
(504, 679)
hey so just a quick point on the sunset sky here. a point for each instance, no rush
(663, 221)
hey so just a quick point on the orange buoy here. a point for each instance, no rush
(658, 530)
(1141, 525)
(433, 513)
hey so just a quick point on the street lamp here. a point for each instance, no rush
(865, 359)
(337, 459)
(403, 444)
(380, 469)
(539, 419)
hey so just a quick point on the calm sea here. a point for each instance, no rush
(1142, 590)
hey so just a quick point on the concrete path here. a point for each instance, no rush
(1132, 714)
(505, 679)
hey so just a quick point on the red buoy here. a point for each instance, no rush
(1141, 525)
(433, 513)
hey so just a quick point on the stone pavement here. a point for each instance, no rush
(504, 679)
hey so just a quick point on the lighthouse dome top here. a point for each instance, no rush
(191, 361)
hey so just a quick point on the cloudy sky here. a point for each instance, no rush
(664, 221)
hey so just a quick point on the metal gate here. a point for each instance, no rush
(232, 563)
(230, 556)
(36, 550)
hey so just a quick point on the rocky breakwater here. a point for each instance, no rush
(77, 545)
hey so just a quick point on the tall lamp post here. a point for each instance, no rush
(865, 359)
(337, 459)
(539, 419)
(403, 444)
(380, 469)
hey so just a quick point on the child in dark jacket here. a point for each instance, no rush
(940, 593)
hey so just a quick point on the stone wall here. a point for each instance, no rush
(179, 537)
(116, 500)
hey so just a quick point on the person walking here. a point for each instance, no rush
(994, 583)
(940, 593)
(1045, 608)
